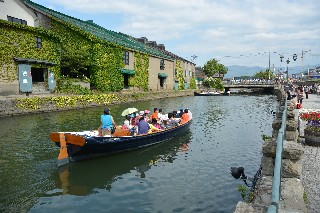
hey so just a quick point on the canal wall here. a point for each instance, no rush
(42, 103)
(292, 190)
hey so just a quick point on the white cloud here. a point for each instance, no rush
(210, 28)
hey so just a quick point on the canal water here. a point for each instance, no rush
(188, 174)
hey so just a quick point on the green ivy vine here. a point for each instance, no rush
(141, 77)
(82, 51)
(193, 83)
(180, 75)
(17, 40)
(106, 75)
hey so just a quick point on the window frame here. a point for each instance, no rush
(162, 64)
(125, 57)
(38, 42)
(16, 20)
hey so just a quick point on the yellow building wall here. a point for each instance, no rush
(154, 70)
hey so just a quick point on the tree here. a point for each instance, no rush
(267, 74)
(213, 66)
(210, 69)
(211, 82)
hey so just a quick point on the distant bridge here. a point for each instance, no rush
(267, 87)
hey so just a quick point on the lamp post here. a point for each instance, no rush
(288, 61)
(294, 57)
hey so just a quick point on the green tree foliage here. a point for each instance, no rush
(193, 83)
(213, 66)
(211, 82)
(267, 74)
(210, 69)
(180, 75)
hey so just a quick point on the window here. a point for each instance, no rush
(125, 57)
(162, 64)
(190, 73)
(16, 20)
(185, 73)
(38, 42)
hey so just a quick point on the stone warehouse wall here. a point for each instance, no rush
(20, 105)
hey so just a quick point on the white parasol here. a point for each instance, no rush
(129, 111)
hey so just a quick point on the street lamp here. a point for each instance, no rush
(288, 61)
(281, 57)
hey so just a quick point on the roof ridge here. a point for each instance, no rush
(99, 31)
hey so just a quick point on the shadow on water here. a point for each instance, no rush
(84, 177)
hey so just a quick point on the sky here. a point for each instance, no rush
(235, 32)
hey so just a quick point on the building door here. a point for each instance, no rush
(162, 80)
(126, 81)
(38, 79)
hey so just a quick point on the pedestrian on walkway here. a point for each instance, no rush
(306, 91)
(300, 96)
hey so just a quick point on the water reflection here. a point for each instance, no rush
(85, 177)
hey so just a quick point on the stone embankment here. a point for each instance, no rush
(9, 105)
(293, 197)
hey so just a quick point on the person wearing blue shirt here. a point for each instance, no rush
(107, 122)
(143, 126)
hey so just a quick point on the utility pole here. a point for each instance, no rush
(269, 61)
(302, 62)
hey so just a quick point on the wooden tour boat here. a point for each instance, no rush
(76, 146)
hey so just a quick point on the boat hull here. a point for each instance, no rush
(206, 94)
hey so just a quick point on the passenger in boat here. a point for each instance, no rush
(132, 119)
(143, 126)
(146, 115)
(126, 123)
(155, 123)
(135, 118)
(185, 117)
(154, 114)
(171, 121)
(181, 113)
(160, 115)
(154, 126)
(107, 122)
(175, 114)
(141, 113)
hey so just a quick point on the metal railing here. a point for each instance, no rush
(276, 181)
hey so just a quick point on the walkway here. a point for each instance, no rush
(311, 164)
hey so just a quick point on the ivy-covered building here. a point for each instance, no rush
(42, 49)
(24, 45)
